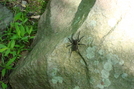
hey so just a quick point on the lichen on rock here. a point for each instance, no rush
(90, 52)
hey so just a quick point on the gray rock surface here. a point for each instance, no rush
(106, 60)
(6, 16)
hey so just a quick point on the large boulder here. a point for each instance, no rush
(104, 61)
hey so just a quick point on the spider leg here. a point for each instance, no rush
(81, 44)
(68, 45)
(70, 40)
(80, 39)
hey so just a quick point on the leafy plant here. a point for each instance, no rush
(15, 40)
(3, 85)
(7, 66)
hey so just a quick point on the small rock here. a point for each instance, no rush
(6, 16)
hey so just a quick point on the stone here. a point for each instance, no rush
(50, 66)
(6, 16)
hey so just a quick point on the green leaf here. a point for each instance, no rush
(9, 67)
(25, 39)
(11, 44)
(3, 49)
(11, 25)
(18, 16)
(22, 31)
(31, 37)
(14, 37)
(18, 32)
(14, 53)
(7, 52)
(17, 46)
(29, 31)
(4, 86)
(3, 72)
(10, 61)
(2, 46)
(17, 23)
(24, 21)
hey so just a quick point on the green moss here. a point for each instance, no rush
(76, 87)
(116, 75)
(121, 62)
(107, 82)
(90, 52)
(96, 62)
(54, 71)
(104, 74)
(92, 80)
(108, 65)
(57, 79)
(100, 86)
(124, 75)
(113, 58)
(101, 52)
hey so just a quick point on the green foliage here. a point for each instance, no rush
(3, 85)
(15, 40)
(7, 66)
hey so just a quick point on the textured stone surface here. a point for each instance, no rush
(107, 27)
(6, 16)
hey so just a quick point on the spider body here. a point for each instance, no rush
(75, 42)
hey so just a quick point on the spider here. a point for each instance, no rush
(75, 42)
(74, 45)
